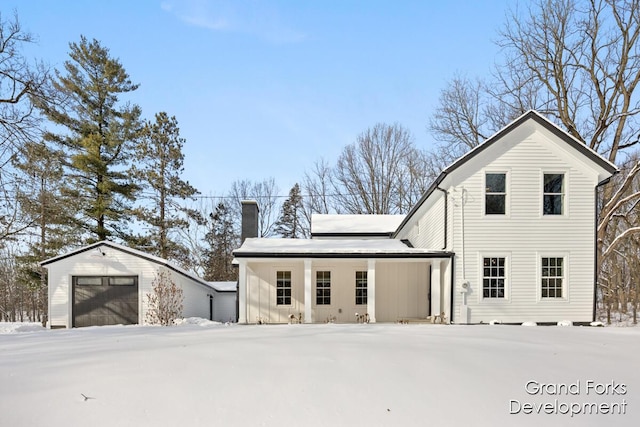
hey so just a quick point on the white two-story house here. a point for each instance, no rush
(507, 233)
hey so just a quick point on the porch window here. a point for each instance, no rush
(552, 277)
(553, 194)
(495, 199)
(323, 287)
(493, 277)
(283, 288)
(361, 287)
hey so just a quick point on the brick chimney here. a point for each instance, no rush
(249, 219)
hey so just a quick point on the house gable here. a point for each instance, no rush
(498, 144)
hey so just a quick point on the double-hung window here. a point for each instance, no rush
(493, 277)
(495, 195)
(552, 276)
(283, 288)
(361, 287)
(323, 287)
(553, 194)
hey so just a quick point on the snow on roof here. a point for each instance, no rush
(354, 224)
(349, 247)
(224, 286)
(131, 251)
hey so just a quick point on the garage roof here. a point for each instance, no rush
(134, 252)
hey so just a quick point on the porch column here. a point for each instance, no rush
(371, 290)
(436, 308)
(446, 289)
(307, 292)
(242, 292)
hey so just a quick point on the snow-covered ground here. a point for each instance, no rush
(206, 374)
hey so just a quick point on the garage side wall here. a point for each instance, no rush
(196, 297)
(224, 307)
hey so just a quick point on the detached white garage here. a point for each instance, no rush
(106, 284)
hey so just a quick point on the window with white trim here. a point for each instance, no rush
(323, 287)
(361, 287)
(552, 276)
(553, 194)
(495, 195)
(283, 288)
(493, 277)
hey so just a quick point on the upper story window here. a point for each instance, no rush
(553, 194)
(495, 198)
(323, 287)
(283, 288)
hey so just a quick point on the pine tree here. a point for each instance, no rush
(99, 139)
(159, 166)
(221, 240)
(289, 225)
(46, 210)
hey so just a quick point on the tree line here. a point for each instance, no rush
(79, 164)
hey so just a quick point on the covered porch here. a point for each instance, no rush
(312, 281)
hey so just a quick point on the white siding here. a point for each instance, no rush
(261, 292)
(196, 296)
(343, 291)
(114, 262)
(426, 228)
(401, 290)
(523, 235)
(224, 307)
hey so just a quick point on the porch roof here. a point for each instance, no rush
(338, 248)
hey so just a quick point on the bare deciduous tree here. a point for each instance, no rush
(578, 62)
(165, 300)
(21, 82)
(382, 172)
(266, 194)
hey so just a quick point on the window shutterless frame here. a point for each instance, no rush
(283, 288)
(554, 193)
(495, 193)
(323, 288)
(361, 287)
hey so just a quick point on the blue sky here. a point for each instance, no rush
(265, 88)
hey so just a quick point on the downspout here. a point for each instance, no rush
(451, 257)
(446, 215)
(464, 276)
(595, 247)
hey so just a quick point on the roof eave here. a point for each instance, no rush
(350, 255)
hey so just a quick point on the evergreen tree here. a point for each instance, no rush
(159, 166)
(46, 210)
(289, 225)
(221, 240)
(100, 135)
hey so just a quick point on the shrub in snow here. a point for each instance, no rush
(598, 324)
(529, 324)
(565, 323)
(495, 322)
(165, 300)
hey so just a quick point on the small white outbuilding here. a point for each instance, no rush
(107, 284)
